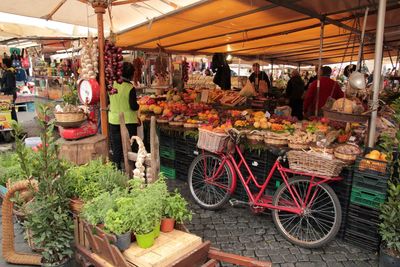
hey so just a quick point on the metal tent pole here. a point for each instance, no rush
(380, 27)
(358, 68)
(321, 45)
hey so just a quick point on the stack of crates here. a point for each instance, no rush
(186, 151)
(367, 194)
(343, 191)
(167, 156)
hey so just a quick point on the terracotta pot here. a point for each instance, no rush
(75, 205)
(167, 225)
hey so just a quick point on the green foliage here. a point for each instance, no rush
(10, 169)
(176, 207)
(389, 229)
(72, 97)
(48, 219)
(96, 209)
(91, 180)
(117, 220)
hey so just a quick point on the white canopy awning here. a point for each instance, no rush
(79, 13)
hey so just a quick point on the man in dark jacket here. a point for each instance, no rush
(294, 92)
(8, 84)
(258, 76)
(222, 71)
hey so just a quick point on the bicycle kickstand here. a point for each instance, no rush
(236, 203)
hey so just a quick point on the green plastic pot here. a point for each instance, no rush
(156, 230)
(145, 240)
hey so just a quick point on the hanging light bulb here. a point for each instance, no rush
(229, 57)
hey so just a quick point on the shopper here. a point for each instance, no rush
(260, 80)
(222, 71)
(8, 84)
(123, 101)
(312, 78)
(294, 92)
(328, 88)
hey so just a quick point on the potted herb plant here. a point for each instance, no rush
(117, 221)
(48, 218)
(143, 219)
(175, 210)
(158, 192)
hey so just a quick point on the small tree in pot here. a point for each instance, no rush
(390, 228)
(48, 218)
(175, 210)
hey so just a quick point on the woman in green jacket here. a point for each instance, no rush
(123, 101)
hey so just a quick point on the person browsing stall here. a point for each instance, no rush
(260, 80)
(294, 92)
(123, 101)
(328, 88)
(8, 84)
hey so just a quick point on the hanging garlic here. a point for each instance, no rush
(139, 171)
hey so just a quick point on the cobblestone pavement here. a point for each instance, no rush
(238, 230)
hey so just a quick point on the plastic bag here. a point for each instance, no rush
(248, 90)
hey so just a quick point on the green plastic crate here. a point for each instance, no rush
(169, 173)
(367, 197)
(166, 152)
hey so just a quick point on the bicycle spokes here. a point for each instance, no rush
(317, 218)
(210, 180)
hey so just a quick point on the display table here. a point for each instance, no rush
(167, 249)
(84, 150)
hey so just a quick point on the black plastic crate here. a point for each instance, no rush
(170, 163)
(359, 225)
(370, 181)
(361, 240)
(364, 212)
(377, 168)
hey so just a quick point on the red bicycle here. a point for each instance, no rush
(305, 209)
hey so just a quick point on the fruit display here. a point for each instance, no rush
(113, 66)
(302, 137)
(374, 161)
(89, 59)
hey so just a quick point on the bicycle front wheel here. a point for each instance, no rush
(320, 220)
(210, 182)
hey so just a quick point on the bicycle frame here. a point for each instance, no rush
(259, 199)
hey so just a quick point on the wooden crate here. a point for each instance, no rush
(167, 248)
(84, 150)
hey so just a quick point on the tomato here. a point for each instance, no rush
(40, 146)
(324, 120)
(35, 149)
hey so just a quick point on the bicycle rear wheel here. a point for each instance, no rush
(321, 219)
(209, 182)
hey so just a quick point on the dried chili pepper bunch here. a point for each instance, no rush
(113, 66)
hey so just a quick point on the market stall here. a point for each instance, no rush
(329, 147)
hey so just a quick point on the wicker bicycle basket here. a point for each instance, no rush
(314, 163)
(212, 142)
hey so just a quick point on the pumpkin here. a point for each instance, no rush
(344, 105)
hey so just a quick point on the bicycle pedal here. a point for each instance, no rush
(236, 203)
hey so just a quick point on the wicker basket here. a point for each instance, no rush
(314, 163)
(210, 141)
(70, 119)
(275, 141)
(328, 150)
(70, 116)
(190, 125)
(255, 139)
(162, 121)
(298, 146)
(176, 123)
(346, 157)
(345, 117)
